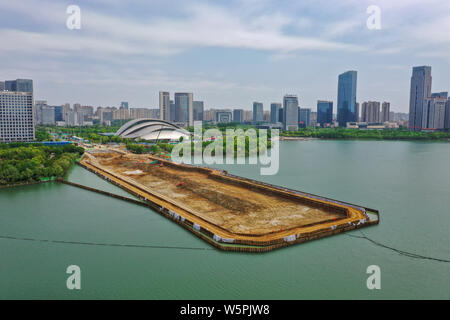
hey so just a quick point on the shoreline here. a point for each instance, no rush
(289, 138)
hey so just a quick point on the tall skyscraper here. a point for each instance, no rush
(198, 110)
(184, 108)
(420, 90)
(164, 105)
(385, 112)
(258, 112)
(290, 113)
(238, 115)
(324, 112)
(124, 104)
(16, 116)
(304, 117)
(347, 98)
(275, 112)
(2, 85)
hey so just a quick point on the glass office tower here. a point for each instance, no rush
(347, 98)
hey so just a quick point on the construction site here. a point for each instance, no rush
(229, 212)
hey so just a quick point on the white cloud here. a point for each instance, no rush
(203, 26)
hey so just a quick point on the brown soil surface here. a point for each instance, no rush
(232, 207)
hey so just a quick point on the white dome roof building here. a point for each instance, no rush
(151, 129)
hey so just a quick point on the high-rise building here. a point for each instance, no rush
(66, 109)
(71, 118)
(118, 114)
(313, 118)
(58, 113)
(248, 115)
(11, 85)
(38, 105)
(324, 112)
(385, 112)
(19, 85)
(184, 108)
(346, 104)
(420, 90)
(290, 113)
(2, 85)
(304, 117)
(370, 111)
(144, 113)
(164, 105)
(280, 115)
(105, 115)
(447, 115)
(443, 95)
(258, 112)
(391, 115)
(238, 115)
(124, 104)
(48, 115)
(209, 115)
(433, 116)
(16, 116)
(198, 110)
(275, 112)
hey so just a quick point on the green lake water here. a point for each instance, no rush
(409, 182)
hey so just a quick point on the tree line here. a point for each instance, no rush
(386, 134)
(22, 162)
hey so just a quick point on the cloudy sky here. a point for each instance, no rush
(229, 53)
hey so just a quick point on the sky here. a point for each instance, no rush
(228, 53)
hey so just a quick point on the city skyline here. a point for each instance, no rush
(165, 95)
(229, 54)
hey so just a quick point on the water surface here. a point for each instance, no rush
(409, 182)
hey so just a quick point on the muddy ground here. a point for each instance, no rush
(229, 206)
